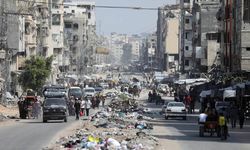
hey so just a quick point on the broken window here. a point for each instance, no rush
(187, 21)
(56, 19)
(246, 16)
(186, 48)
(75, 26)
(186, 62)
(67, 25)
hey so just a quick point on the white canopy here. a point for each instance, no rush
(229, 93)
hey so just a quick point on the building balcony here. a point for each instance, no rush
(30, 40)
(45, 42)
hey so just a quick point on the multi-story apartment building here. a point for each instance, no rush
(186, 36)
(79, 27)
(61, 55)
(135, 42)
(116, 47)
(234, 21)
(205, 28)
(149, 46)
(168, 37)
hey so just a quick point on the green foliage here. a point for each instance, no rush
(36, 71)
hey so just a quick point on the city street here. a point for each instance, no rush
(31, 134)
(184, 135)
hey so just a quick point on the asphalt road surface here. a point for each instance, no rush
(30, 134)
(178, 134)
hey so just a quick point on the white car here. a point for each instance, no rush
(176, 109)
(89, 92)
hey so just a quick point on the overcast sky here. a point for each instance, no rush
(126, 20)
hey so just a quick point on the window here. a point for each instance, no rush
(187, 21)
(186, 48)
(75, 26)
(56, 19)
(186, 36)
(246, 16)
(186, 62)
(67, 25)
(248, 48)
(186, 1)
(89, 15)
(73, 11)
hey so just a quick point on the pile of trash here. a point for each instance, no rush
(3, 117)
(120, 126)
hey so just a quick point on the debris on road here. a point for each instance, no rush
(120, 126)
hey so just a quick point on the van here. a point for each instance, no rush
(76, 92)
(88, 92)
(55, 109)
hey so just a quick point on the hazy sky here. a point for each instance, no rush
(126, 20)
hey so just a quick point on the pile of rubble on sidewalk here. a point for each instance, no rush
(8, 113)
(120, 126)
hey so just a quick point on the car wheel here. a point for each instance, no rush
(65, 119)
(166, 117)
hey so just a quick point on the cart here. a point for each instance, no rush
(212, 128)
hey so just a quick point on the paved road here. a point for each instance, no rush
(30, 134)
(183, 135)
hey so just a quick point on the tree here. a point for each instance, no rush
(36, 71)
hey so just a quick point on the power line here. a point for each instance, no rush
(100, 6)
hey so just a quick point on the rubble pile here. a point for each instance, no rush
(121, 126)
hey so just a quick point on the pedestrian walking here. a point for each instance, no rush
(35, 109)
(83, 107)
(233, 115)
(77, 108)
(103, 100)
(87, 106)
(241, 117)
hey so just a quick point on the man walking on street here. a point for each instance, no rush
(87, 106)
(241, 117)
(77, 108)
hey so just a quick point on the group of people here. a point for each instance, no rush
(29, 108)
(81, 107)
(232, 114)
(154, 97)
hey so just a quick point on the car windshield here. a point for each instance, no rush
(175, 105)
(89, 90)
(75, 91)
(55, 101)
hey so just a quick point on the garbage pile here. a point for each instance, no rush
(118, 127)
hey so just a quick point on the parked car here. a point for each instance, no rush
(176, 109)
(89, 92)
(76, 92)
(98, 89)
(55, 109)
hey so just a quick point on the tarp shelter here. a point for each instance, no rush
(191, 81)
(229, 94)
(206, 93)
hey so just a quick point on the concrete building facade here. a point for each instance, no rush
(168, 37)
(205, 30)
(234, 21)
(79, 27)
